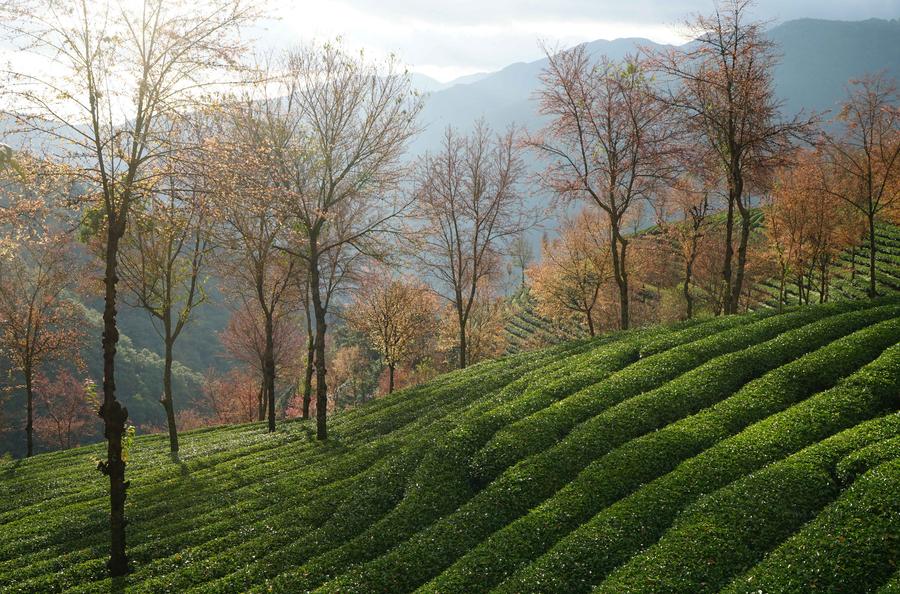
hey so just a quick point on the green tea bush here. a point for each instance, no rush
(588, 554)
(852, 544)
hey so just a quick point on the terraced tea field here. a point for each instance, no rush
(526, 329)
(741, 454)
(845, 284)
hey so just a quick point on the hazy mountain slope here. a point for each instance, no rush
(501, 98)
(819, 57)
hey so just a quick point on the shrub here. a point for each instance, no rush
(642, 460)
(537, 478)
(589, 553)
(854, 541)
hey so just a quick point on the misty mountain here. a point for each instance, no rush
(819, 57)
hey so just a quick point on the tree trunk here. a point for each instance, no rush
(261, 401)
(737, 287)
(114, 415)
(310, 354)
(617, 247)
(270, 370)
(463, 342)
(307, 379)
(781, 284)
(688, 275)
(729, 249)
(590, 321)
(166, 401)
(319, 310)
(29, 422)
(390, 378)
(873, 291)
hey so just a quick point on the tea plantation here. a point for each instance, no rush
(849, 273)
(739, 454)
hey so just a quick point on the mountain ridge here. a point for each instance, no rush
(818, 59)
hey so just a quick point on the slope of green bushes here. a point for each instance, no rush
(740, 453)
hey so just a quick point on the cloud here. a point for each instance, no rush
(448, 39)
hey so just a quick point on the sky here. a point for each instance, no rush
(445, 39)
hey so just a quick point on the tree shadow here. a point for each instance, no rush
(117, 585)
(11, 468)
(185, 469)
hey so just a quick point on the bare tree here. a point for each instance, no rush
(161, 259)
(337, 167)
(69, 407)
(573, 270)
(863, 165)
(522, 255)
(469, 204)
(691, 200)
(246, 341)
(38, 323)
(723, 90)
(249, 225)
(609, 142)
(395, 315)
(121, 73)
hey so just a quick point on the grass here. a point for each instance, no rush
(741, 453)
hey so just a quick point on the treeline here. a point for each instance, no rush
(171, 157)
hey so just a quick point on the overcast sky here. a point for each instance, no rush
(449, 38)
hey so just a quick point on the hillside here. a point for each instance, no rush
(819, 57)
(526, 329)
(845, 282)
(741, 453)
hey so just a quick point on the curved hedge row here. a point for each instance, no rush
(502, 501)
(642, 460)
(230, 499)
(585, 557)
(440, 483)
(726, 532)
(544, 428)
(547, 471)
(854, 541)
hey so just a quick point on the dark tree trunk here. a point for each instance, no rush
(781, 289)
(321, 370)
(462, 319)
(590, 322)
(167, 401)
(873, 249)
(113, 414)
(463, 344)
(390, 378)
(618, 247)
(321, 386)
(261, 400)
(29, 422)
(310, 354)
(270, 370)
(729, 250)
(737, 287)
(307, 379)
(688, 275)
